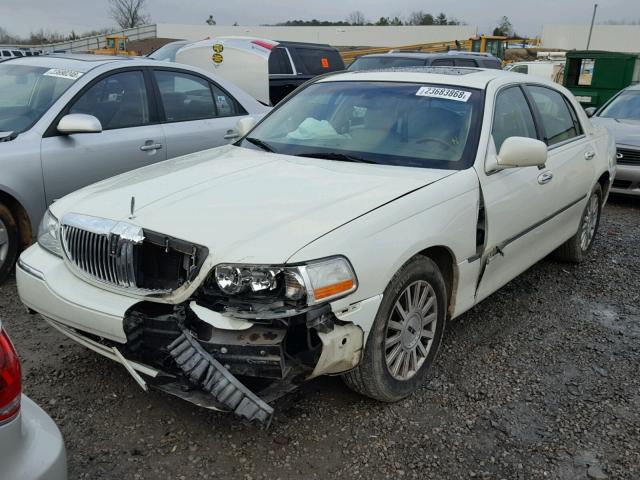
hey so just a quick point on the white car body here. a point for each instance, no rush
(262, 208)
(547, 69)
(240, 60)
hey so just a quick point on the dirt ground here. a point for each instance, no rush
(541, 380)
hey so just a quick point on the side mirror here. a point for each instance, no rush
(522, 152)
(79, 123)
(245, 125)
(590, 111)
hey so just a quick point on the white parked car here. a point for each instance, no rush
(338, 237)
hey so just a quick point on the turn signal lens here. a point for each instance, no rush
(10, 380)
(332, 290)
(331, 278)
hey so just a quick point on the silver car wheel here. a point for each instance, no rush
(4, 243)
(410, 330)
(590, 222)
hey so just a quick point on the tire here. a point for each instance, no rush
(575, 249)
(374, 376)
(9, 240)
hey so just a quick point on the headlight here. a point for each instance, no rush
(48, 231)
(314, 282)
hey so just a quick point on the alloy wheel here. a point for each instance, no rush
(589, 222)
(4, 242)
(411, 328)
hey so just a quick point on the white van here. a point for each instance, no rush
(549, 70)
(268, 70)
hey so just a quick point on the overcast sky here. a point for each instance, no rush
(20, 17)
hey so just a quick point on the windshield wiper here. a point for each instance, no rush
(263, 145)
(342, 157)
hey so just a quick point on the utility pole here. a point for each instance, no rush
(593, 19)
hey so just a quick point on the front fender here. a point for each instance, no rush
(444, 213)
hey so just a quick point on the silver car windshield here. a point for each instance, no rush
(431, 126)
(27, 92)
(625, 106)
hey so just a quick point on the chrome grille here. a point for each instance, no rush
(104, 250)
(628, 157)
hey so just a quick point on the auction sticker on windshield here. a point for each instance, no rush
(63, 73)
(449, 93)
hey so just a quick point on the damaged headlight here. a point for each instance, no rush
(48, 234)
(312, 283)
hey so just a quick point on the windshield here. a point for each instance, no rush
(376, 63)
(168, 52)
(27, 92)
(376, 122)
(625, 106)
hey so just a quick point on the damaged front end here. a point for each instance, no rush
(245, 336)
(239, 351)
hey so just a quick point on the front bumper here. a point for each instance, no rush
(112, 325)
(31, 446)
(627, 180)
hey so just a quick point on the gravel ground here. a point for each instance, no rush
(539, 381)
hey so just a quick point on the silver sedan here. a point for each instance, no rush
(67, 121)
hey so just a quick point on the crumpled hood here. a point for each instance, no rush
(625, 132)
(246, 205)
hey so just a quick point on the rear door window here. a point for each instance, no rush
(466, 62)
(279, 62)
(317, 61)
(512, 117)
(184, 97)
(442, 62)
(559, 122)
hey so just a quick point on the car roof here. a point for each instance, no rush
(77, 62)
(426, 55)
(86, 62)
(633, 87)
(287, 43)
(462, 76)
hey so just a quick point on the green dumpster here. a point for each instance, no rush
(596, 76)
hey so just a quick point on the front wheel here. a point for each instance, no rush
(406, 334)
(577, 247)
(8, 242)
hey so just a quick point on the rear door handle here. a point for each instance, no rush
(231, 134)
(545, 178)
(589, 155)
(152, 146)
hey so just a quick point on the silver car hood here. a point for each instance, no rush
(625, 132)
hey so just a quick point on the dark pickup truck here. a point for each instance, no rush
(293, 63)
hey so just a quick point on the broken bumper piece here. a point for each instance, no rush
(205, 371)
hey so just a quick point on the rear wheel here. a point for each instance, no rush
(577, 247)
(406, 334)
(8, 242)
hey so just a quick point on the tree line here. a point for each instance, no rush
(357, 18)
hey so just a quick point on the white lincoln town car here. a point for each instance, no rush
(338, 236)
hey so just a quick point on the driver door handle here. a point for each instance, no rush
(545, 178)
(152, 146)
(589, 155)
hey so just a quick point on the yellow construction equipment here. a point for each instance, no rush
(115, 45)
(493, 44)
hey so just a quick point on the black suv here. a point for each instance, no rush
(293, 63)
(418, 59)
